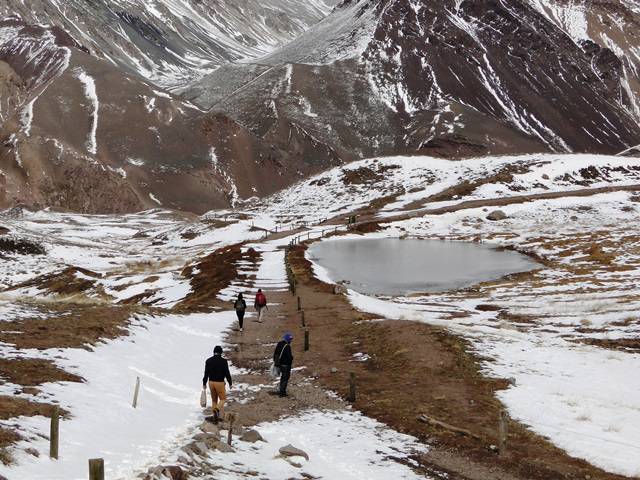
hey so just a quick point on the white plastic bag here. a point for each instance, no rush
(203, 398)
(275, 371)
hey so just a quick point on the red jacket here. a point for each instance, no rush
(261, 300)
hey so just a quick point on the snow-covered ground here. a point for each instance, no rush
(344, 444)
(166, 351)
(567, 387)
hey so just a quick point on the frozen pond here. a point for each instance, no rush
(390, 266)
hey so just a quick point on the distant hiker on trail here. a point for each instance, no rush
(240, 305)
(260, 304)
(216, 369)
(283, 359)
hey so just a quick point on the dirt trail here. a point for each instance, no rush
(416, 209)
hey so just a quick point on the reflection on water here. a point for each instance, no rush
(390, 266)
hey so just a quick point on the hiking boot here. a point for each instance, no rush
(241, 330)
(280, 394)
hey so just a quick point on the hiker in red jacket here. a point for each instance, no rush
(260, 304)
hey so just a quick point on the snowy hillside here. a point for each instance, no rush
(172, 42)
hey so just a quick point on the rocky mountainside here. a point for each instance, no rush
(195, 104)
(453, 77)
(173, 42)
(87, 126)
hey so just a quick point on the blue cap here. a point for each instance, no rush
(288, 337)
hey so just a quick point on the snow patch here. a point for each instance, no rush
(89, 85)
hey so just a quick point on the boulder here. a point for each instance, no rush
(339, 289)
(291, 451)
(223, 447)
(334, 370)
(208, 439)
(168, 472)
(199, 448)
(497, 215)
(208, 427)
(291, 462)
(174, 472)
(251, 436)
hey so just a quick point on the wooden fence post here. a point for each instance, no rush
(306, 340)
(96, 469)
(54, 434)
(502, 432)
(352, 387)
(136, 390)
(299, 304)
(232, 419)
(302, 318)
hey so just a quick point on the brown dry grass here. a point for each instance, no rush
(11, 407)
(212, 274)
(7, 438)
(32, 372)
(77, 326)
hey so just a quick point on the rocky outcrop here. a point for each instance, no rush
(251, 436)
(497, 215)
(291, 451)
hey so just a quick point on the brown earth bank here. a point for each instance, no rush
(212, 274)
(416, 369)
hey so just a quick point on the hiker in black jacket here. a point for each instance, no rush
(216, 369)
(240, 305)
(283, 359)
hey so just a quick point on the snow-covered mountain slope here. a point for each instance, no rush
(611, 25)
(173, 41)
(80, 133)
(450, 77)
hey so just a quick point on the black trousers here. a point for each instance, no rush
(240, 314)
(284, 378)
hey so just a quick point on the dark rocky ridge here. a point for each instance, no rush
(444, 78)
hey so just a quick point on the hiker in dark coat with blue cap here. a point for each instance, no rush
(283, 359)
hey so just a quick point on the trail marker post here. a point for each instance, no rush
(96, 469)
(54, 434)
(299, 304)
(232, 418)
(502, 432)
(352, 387)
(136, 391)
(306, 340)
